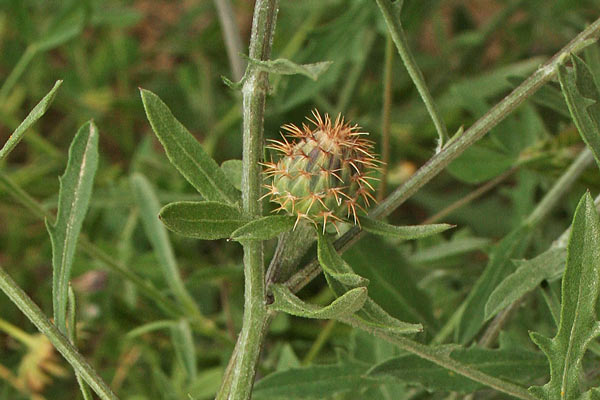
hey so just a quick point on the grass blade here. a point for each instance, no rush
(73, 200)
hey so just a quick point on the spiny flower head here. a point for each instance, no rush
(323, 172)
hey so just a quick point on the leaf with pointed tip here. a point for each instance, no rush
(578, 325)
(186, 154)
(281, 66)
(264, 228)
(370, 314)
(288, 302)
(208, 220)
(583, 98)
(528, 275)
(510, 364)
(401, 232)
(498, 267)
(73, 200)
(38, 111)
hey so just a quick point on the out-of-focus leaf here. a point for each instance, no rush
(583, 98)
(391, 283)
(186, 153)
(370, 314)
(65, 28)
(282, 66)
(528, 275)
(314, 382)
(73, 200)
(498, 267)
(206, 220)
(185, 351)
(513, 365)
(401, 232)
(264, 228)
(38, 111)
(451, 248)
(578, 325)
(348, 303)
(479, 163)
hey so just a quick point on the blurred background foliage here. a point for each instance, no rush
(472, 52)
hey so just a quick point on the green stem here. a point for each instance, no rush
(385, 116)
(17, 333)
(254, 97)
(456, 147)
(392, 20)
(60, 342)
(231, 34)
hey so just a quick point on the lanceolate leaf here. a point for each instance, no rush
(264, 228)
(73, 199)
(370, 314)
(401, 232)
(187, 154)
(578, 325)
(498, 267)
(583, 98)
(38, 111)
(346, 304)
(529, 274)
(513, 365)
(207, 220)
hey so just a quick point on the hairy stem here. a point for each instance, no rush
(457, 146)
(255, 310)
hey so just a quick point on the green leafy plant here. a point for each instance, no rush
(285, 278)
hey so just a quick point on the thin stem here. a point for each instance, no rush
(394, 25)
(456, 147)
(231, 34)
(385, 116)
(60, 342)
(254, 97)
(17, 71)
(320, 341)
(17, 333)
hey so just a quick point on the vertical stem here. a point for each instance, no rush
(385, 115)
(392, 21)
(254, 95)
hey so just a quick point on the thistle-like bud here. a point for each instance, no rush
(323, 172)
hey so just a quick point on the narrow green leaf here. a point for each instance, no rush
(454, 247)
(370, 314)
(72, 336)
(264, 228)
(511, 364)
(233, 171)
(578, 325)
(401, 232)
(38, 111)
(73, 200)
(528, 275)
(206, 220)
(583, 98)
(498, 267)
(185, 350)
(314, 382)
(186, 154)
(288, 302)
(282, 66)
(149, 206)
(65, 28)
